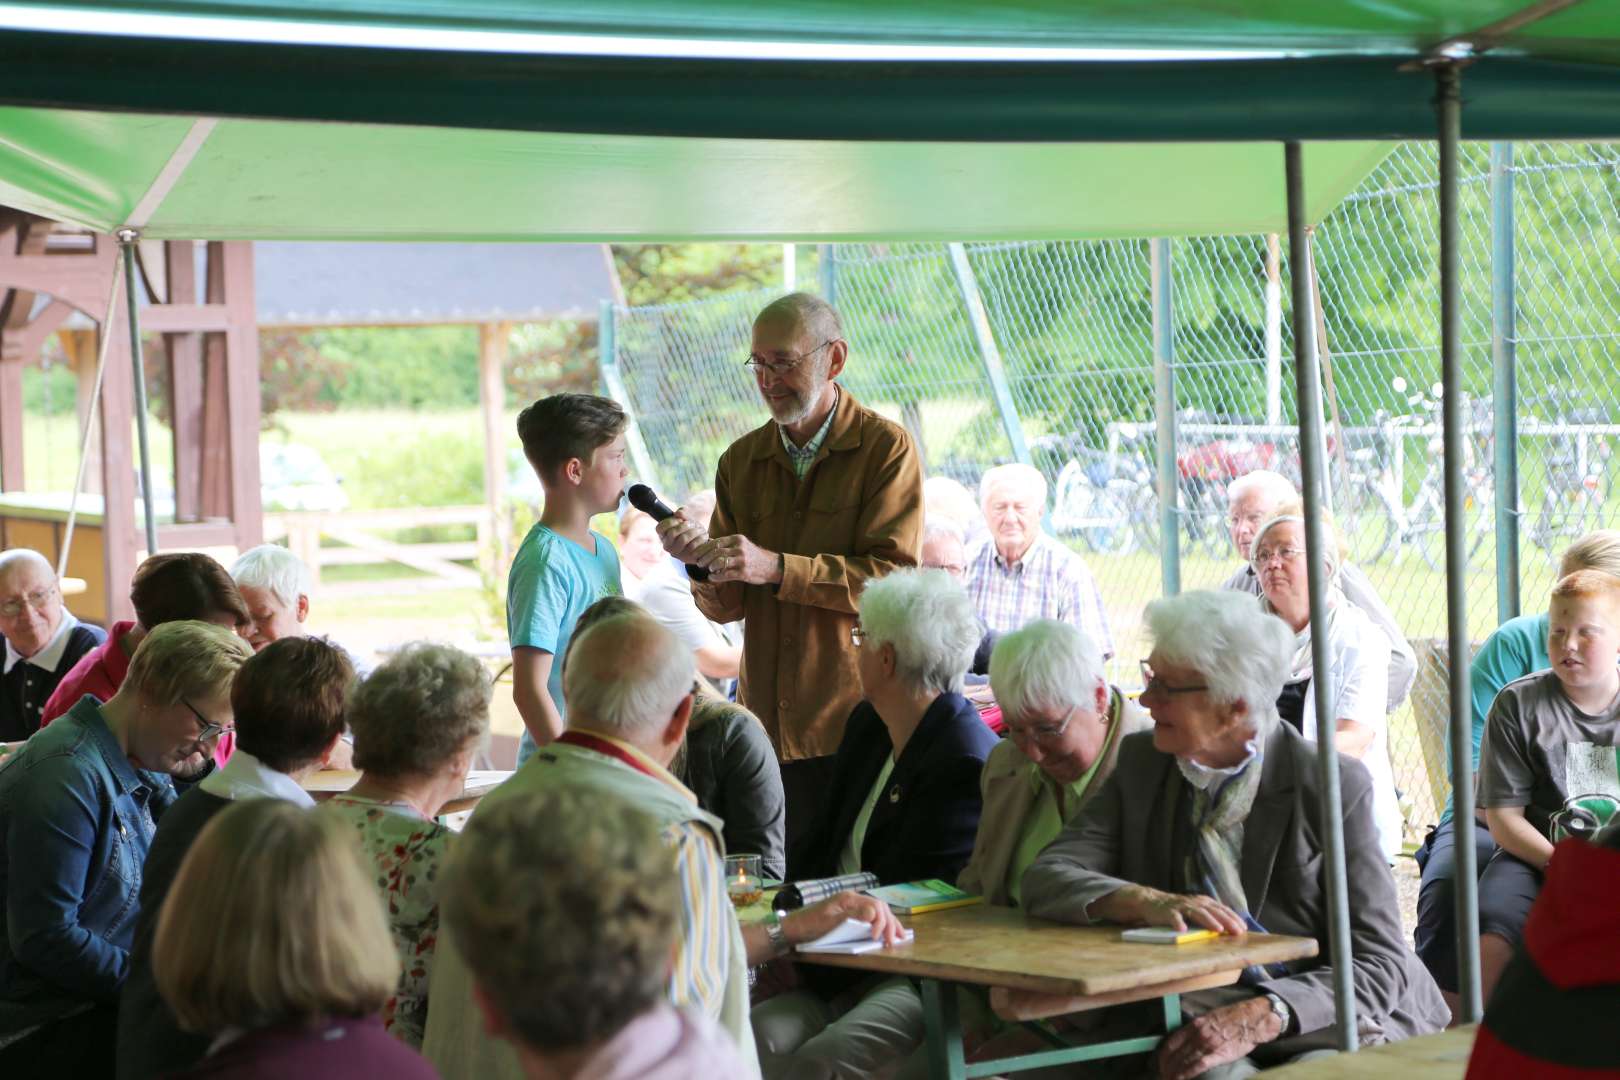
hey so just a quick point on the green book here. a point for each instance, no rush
(916, 897)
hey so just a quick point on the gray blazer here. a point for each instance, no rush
(1360, 592)
(1136, 831)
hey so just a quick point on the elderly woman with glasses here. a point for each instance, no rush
(1358, 655)
(1214, 820)
(79, 804)
(904, 805)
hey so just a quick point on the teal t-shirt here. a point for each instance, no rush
(1514, 650)
(551, 582)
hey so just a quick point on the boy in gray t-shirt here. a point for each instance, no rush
(1550, 736)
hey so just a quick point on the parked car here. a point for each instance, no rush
(293, 476)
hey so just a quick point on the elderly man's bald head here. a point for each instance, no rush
(30, 602)
(19, 557)
(814, 317)
(627, 676)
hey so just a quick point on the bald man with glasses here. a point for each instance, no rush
(43, 640)
(809, 507)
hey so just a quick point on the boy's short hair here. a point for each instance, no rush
(1589, 585)
(559, 428)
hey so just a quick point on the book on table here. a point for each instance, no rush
(917, 897)
(851, 937)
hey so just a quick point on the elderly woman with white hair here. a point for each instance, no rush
(1215, 820)
(1358, 656)
(904, 805)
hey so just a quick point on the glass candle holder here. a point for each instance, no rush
(745, 883)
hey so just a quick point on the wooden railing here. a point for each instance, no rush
(361, 532)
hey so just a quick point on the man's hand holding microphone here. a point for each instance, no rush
(714, 559)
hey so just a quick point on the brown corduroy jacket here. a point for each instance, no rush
(857, 515)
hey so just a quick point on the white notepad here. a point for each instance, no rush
(852, 938)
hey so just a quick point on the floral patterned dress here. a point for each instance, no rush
(407, 851)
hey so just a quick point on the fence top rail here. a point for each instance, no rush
(405, 518)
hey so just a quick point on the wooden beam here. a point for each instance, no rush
(119, 542)
(80, 346)
(82, 279)
(186, 316)
(196, 534)
(24, 341)
(214, 454)
(25, 235)
(494, 343)
(184, 357)
(11, 422)
(242, 379)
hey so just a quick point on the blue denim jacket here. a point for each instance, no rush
(75, 822)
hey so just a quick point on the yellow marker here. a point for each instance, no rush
(1159, 935)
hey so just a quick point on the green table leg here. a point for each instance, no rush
(944, 1031)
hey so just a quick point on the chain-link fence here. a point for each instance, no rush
(1069, 325)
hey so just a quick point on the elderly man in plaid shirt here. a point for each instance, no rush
(1019, 573)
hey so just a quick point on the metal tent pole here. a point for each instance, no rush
(1448, 103)
(1164, 392)
(127, 239)
(1505, 389)
(607, 362)
(995, 372)
(1308, 393)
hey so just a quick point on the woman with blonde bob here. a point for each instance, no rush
(80, 803)
(274, 941)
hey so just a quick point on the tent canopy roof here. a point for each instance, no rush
(731, 119)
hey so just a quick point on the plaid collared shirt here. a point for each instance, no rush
(1049, 582)
(803, 457)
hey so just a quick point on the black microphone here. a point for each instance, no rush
(646, 500)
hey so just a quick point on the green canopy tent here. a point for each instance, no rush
(822, 119)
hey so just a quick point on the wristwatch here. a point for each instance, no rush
(1280, 1009)
(775, 934)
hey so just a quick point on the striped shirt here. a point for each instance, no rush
(805, 456)
(1049, 582)
(703, 948)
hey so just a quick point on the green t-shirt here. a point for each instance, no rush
(850, 861)
(1045, 820)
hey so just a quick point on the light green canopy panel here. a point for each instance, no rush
(254, 179)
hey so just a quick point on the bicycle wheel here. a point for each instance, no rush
(1368, 524)
(1426, 530)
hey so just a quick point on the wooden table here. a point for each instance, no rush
(1041, 968)
(480, 782)
(1427, 1057)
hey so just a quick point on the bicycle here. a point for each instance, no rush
(1571, 503)
(1377, 520)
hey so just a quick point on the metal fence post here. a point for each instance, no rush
(1164, 393)
(1273, 328)
(829, 273)
(1448, 104)
(1308, 391)
(1505, 388)
(613, 383)
(989, 354)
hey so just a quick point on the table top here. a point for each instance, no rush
(1428, 1057)
(1001, 946)
(480, 782)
